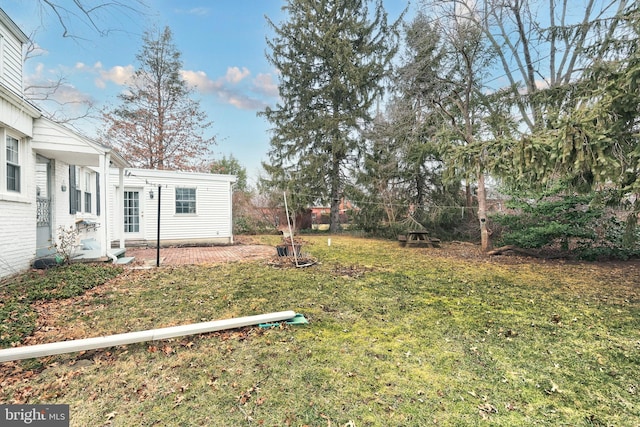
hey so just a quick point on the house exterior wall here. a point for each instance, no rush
(210, 224)
(15, 118)
(62, 218)
(53, 140)
(17, 208)
(18, 237)
(40, 139)
(17, 226)
(11, 42)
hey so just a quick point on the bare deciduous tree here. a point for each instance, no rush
(157, 124)
(56, 96)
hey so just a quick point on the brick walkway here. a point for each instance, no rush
(201, 255)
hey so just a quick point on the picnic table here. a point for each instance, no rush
(418, 238)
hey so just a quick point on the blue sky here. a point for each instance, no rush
(223, 51)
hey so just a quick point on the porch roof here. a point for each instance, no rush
(55, 141)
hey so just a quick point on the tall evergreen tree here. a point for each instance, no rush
(332, 56)
(158, 125)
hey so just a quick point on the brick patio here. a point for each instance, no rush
(201, 255)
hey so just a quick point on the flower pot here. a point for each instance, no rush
(296, 248)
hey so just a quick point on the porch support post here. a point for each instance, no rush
(120, 207)
(104, 211)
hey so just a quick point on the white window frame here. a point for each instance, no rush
(5, 192)
(78, 189)
(186, 203)
(13, 159)
(88, 199)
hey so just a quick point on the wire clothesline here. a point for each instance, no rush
(407, 205)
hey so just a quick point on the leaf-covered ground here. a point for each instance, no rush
(397, 337)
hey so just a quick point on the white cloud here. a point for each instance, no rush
(69, 94)
(201, 81)
(197, 11)
(265, 84)
(542, 84)
(243, 102)
(36, 50)
(118, 74)
(39, 69)
(236, 75)
(226, 88)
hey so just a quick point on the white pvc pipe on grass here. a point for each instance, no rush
(40, 350)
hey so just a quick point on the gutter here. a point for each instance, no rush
(40, 350)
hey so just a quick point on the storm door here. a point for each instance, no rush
(44, 242)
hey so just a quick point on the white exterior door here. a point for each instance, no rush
(133, 213)
(44, 243)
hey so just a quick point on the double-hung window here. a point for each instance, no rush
(13, 164)
(76, 189)
(185, 200)
(87, 192)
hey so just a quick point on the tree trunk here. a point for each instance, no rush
(485, 238)
(334, 218)
(468, 201)
(334, 226)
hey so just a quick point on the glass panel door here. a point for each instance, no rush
(131, 211)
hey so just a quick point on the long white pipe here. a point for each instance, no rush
(40, 350)
(293, 249)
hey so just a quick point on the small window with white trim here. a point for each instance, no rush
(185, 200)
(13, 164)
(87, 192)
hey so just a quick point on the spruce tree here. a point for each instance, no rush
(332, 56)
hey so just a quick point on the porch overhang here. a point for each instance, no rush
(72, 157)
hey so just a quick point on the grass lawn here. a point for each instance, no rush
(397, 337)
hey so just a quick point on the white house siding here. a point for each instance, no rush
(53, 140)
(17, 222)
(15, 118)
(18, 236)
(66, 149)
(211, 224)
(11, 42)
(17, 209)
(61, 216)
(39, 136)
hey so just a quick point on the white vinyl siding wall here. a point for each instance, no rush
(17, 237)
(212, 220)
(18, 217)
(11, 56)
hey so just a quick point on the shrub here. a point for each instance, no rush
(574, 225)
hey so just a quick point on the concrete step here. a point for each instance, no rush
(116, 252)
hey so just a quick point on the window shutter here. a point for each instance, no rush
(72, 189)
(98, 193)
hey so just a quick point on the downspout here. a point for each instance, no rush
(41, 350)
